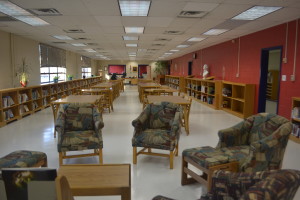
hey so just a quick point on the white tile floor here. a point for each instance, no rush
(151, 175)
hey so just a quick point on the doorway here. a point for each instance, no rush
(190, 68)
(269, 87)
(142, 71)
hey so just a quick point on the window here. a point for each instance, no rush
(53, 63)
(86, 72)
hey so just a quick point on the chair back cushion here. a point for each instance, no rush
(263, 125)
(162, 115)
(78, 117)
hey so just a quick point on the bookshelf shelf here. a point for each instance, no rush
(176, 82)
(295, 135)
(238, 98)
(20, 102)
(203, 91)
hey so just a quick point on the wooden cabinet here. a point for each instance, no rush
(20, 102)
(176, 82)
(295, 135)
(204, 91)
(238, 98)
(272, 85)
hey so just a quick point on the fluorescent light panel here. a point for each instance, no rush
(21, 14)
(78, 44)
(131, 45)
(134, 8)
(130, 38)
(174, 50)
(195, 39)
(183, 46)
(62, 37)
(134, 29)
(90, 50)
(256, 12)
(168, 53)
(215, 31)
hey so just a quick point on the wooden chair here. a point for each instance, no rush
(188, 109)
(63, 190)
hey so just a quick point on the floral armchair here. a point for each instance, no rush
(263, 185)
(79, 128)
(157, 127)
(258, 143)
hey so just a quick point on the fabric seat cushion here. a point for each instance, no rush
(161, 116)
(22, 158)
(206, 156)
(154, 138)
(80, 140)
(237, 153)
(79, 118)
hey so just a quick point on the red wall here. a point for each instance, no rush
(224, 57)
(119, 69)
(142, 70)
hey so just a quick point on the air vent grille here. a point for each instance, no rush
(192, 14)
(59, 42)
(174, 32)
(74, 31)
(45, 12)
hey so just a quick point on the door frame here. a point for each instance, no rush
(190, 68)
(264, 61)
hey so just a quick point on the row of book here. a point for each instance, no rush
(7, 101)
(35, 95)
(8, 114)
(296, 113)
(23, 109)
(296, 130)
(23, 98)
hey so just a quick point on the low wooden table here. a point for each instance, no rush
(98, 180)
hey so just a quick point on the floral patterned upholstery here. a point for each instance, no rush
(263, 185)
(265, 134)
(159, 197)
(158, 126)
(23, 158)
(79, 127)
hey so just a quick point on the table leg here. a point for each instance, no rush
(186, 118)
(54, 110)
(126, 194)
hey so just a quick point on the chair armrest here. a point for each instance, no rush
(142, 118)
(176, 124)
(60, 123)
(231, 136)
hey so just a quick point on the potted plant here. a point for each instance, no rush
(55, 79)
(70, 77)
(23, 73)
(161, 68)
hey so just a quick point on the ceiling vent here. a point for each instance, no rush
(162, 39)
(74, 31)
(150, 50)
(158, 45)
(174, 32)
(45, 11)
(59, 42)
(6, 19)
(82, 38)
(192, 14)
(92, 44)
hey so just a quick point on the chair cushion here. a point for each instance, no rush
(22, 158)
(79, 118)
(161, 116)
(206, 156)
(237, 153)
(80, 140)
(154, 138)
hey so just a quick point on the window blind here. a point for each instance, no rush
(52, 56)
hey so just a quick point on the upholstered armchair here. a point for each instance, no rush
(263, 185)
(79, 128)
(258, 143)
(157, 127)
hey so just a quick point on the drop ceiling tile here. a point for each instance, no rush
(159, 21)
(114, 29)
(63, 21)
(194, 6)
(103, 7)
(109, 20)
(134, 21)
(166, 8)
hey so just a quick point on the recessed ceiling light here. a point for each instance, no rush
(174, 50)
(31, 20)
(142, 50)
(11, 9)
(130, 38)
(78, 44)
(256, 12)
(90, 50)
(134, 8)
(168, 53)
(215, 31)
(62, 37)
(134, 29)
(131, 45)
(99, 55)
(195, 39)
(183, 46)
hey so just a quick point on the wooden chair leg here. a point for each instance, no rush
(149, 150)
(134, 155)
(184, 178)
(176, 149)
(60, 158)
(100, 156)
(171, 159)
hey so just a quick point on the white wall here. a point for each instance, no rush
(5, 61)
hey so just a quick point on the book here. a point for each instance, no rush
(17, 181)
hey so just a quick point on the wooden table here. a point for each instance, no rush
(152, 91)
(143, 86)
(92, 99)
(92, 90)
(177, 100)
(98, 180)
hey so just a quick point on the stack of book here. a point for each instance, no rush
(7, 101)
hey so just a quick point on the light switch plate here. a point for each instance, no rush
(292, 77)
(283, 78)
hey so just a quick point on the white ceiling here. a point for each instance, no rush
(103, 25)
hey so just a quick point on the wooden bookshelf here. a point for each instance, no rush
(20, 102)
(295, 119)
(238, 98)
(272, 85)
(204, 91)
(176, 82)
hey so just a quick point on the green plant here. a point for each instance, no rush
(56, 77)
(70, 76)
(23, 71)
(161, 67)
